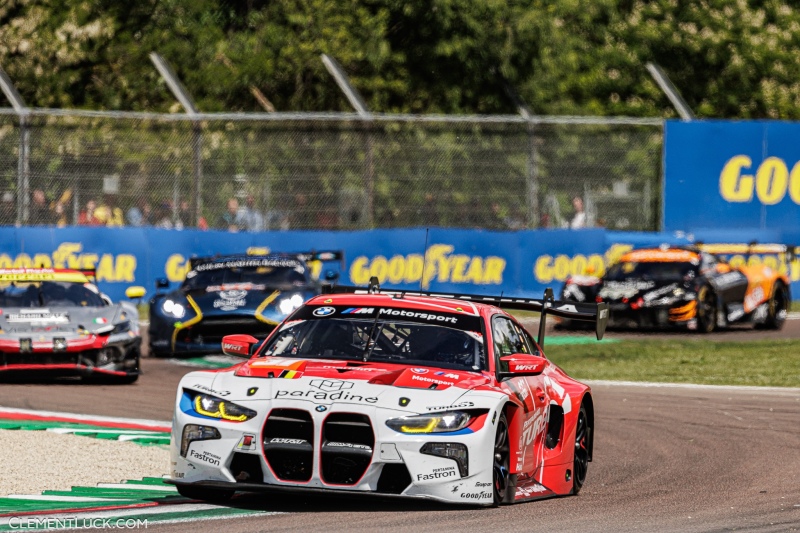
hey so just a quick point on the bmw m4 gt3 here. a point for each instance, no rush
(417, 395)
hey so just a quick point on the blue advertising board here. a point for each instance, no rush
(521, 263)
(725, 175)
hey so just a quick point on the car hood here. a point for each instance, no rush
(336, 381)
(67, 322)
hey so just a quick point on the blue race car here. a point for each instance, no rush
(228, 294)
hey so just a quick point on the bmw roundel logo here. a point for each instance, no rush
(324, 311)
(321, 408)
(419, 370)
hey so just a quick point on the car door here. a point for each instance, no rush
(509, 338)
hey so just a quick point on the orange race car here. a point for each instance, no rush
(692, 286)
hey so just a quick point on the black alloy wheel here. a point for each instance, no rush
(706, 310)
(580, 464)
(500, 462)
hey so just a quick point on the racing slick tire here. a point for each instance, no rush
(580, 462)
(503, 482)
(777, 307)
(706, 310)
(204, 493)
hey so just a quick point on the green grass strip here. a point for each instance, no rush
(774, 363)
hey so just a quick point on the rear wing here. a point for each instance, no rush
(597, 313)
(322, 255)
(788, 252)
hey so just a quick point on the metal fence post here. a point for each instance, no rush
(531, 181)
(185, 99)
(23, 161)
(355, 99)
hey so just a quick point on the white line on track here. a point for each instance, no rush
(654, 385)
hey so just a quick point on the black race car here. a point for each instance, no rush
(248, 294)
(692, 287)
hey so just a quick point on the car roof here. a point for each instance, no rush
(428, 303)
(43, 274)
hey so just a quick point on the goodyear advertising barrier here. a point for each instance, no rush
(467, 261)
(724, 174)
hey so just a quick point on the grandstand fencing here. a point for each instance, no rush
(331, 171)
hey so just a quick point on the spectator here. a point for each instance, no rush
(87, 215)
(183, 218)
(230, 219)
(251, 219)
(39, 211)
(8, 210)
(108, 213)
(579, 218)
(163, 216)
(141, 214)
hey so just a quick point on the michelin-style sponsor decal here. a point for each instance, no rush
(39, 316)
(461, 405)
(652, 295)
(206, 457)
(215, 392)
(482, 484)
(438, 473)
(287, 441)
(230, 300)
(324, 311)
(530, 490)
(348, 445)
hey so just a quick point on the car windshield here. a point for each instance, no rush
(650, 271)
(268, 276)
(383, 340)
(50, 293)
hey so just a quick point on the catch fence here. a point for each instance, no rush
(327, 171)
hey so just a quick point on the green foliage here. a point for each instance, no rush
(728, 58)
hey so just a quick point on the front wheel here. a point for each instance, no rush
(580, 463)
(501, 477)
(204, 493)
(706, 310)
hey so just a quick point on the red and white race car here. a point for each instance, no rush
(423, 395)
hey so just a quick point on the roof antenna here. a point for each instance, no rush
(424, 262)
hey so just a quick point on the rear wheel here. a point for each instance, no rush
(706, 310)
(501, 477)
(580, 464)
(777, 307)
(204, 493)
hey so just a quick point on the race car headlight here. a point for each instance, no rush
(174, 309)
(433, 423)
(223, 409)
(193, 432)
(287, 305)
(450, 450)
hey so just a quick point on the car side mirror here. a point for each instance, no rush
(331, 275)
(162, 283)
(521, 364)
(238, 345)
(134, 292)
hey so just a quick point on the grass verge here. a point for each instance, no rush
(774, 363)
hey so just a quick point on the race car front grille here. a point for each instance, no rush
(347, 444)
(211, 330)
(289, 444)
(40, 358)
